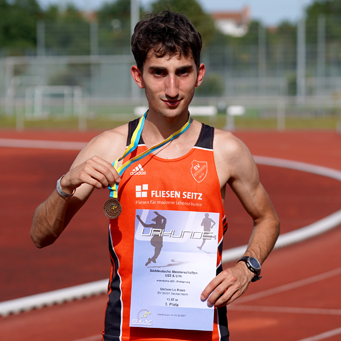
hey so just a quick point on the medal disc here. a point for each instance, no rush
(112, 208)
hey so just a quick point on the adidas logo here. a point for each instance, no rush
(138, 170)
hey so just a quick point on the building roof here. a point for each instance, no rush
(240, 17)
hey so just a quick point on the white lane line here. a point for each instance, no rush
(323, 336)
(293, 237)
(300, 166)
(303, 233)
(288, 310)
(329, 222)
(289, 286)
(41, 144)
(52, 297)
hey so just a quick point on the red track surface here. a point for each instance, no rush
(28, 176)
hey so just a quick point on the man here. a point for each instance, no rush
(208, 224)
(198, 162)
(159, 223)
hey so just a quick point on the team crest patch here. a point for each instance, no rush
(199, 170)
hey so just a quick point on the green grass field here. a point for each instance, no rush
(110, 119)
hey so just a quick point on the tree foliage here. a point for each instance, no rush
(325, 7)
(114, 23)
(330, 10)
(18, 23)
(66, 31)
(119, 9)
(284, 34)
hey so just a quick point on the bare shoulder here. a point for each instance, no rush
(228, 146)
(109, 145)
(232, 157)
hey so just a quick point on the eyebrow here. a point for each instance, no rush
(162, 68)
(185, 67)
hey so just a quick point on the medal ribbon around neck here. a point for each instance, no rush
(133, 145)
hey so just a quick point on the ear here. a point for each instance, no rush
(201, 74)
(137, 75)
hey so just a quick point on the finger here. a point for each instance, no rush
(217, 295)
(107, 169)
(106, 176)
(110, 171)
(101, 179)
(87, 175)
(210, 287)
(102, 171)
(231, 294)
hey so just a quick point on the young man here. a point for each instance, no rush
(198, 162)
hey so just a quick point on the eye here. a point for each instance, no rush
(158, 72)
(183, 72)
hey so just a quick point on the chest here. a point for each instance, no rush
(191, 178)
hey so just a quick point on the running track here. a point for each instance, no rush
(298, 298)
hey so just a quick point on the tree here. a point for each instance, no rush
(326, 7)
(331, 10)
(284, 34)
(119, 9)
(66, 31)
(114, 23)
(18, 24)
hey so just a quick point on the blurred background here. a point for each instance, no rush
(269, 64)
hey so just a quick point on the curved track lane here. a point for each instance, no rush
(305, 307)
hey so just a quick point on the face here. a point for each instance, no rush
(169, 83)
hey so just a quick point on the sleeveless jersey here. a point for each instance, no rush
(187, 183)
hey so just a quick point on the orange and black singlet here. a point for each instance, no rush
(151, 183)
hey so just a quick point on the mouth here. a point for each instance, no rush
(171, 103)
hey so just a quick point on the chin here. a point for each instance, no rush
(173, 112)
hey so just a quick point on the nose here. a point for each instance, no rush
(171, 86)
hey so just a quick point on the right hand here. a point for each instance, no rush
(95, 172)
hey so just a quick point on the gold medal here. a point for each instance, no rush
(112, 208)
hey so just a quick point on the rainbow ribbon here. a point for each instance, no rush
(133, 145)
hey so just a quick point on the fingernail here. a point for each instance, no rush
(209, 304)
(202, 297)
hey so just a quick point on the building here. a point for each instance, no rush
(233, 23)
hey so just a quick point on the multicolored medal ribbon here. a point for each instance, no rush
(112, 208)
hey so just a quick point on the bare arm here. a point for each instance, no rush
(143, 223)
(91, 169)
(236, 167)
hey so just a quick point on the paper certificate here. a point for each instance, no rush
(175, 256)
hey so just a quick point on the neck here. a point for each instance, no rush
(160, 127)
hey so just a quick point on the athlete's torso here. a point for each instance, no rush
(187, 183)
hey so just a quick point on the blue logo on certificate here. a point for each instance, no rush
(175, 256)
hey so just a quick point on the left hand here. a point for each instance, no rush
(227, 286)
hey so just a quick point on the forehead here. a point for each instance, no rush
(167, 60)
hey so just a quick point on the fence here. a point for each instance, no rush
(298, 74)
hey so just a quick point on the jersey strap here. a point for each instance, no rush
(205, 139)
(135, 138)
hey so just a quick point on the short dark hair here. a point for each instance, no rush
(167, 33)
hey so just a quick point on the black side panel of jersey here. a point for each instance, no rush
(113, 312)
(131, 128)
(222, 317)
